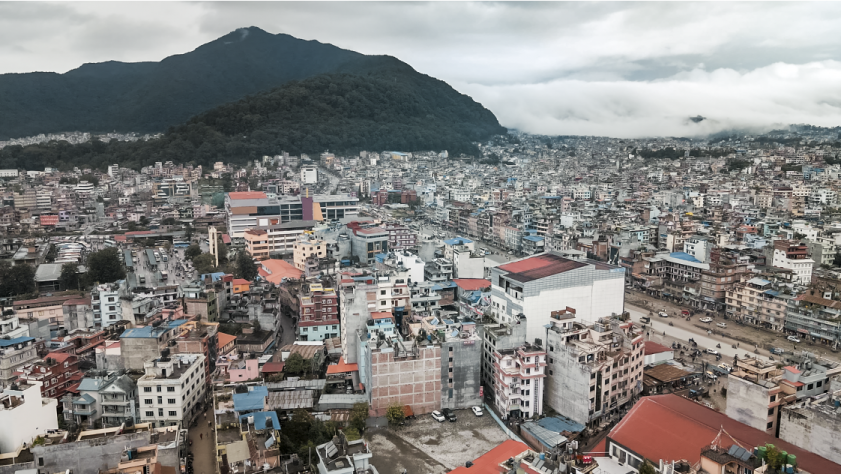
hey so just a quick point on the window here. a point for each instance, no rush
(770, 411)
(769, 425)
(160, 412)
(170, 389)
(171, 401)
(147, 389)
(773, 398)
(172, 413)
(150, 413)
(819, 383)
(147, 401)
(810, 387)
(159, 388)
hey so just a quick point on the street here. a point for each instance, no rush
(203, 448)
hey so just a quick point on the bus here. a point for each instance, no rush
(164, 275)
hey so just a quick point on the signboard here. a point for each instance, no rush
(481, 391)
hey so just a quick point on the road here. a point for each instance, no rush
(174, 267)
(203, 449)
(681, 332)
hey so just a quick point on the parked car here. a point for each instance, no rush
(712, 351)
(663, 314)
(777, 350)
(437, 416)
(711, 375)
(725, 367)
(645, 319)
(706, 320)
(477, 411)
(793, 339)
(449, 414)
(722, 325)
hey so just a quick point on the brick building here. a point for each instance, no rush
(56, 372)
(319, 314)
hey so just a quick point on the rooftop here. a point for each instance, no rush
(540, 266)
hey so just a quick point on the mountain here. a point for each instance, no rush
(380, 104)
(153, 96)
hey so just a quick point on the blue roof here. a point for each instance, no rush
(213, 276)
(17, 340)
(251, 401)
(533, 238)
(684, 256)
(261, 418)
(458, 241)
(560, 423)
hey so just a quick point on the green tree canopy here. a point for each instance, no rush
(105, 267)
(193, 251)
(245, 266)
(296, 365)
(16, 280)
(69, 277)
(394, 414)
(204, 263)
(647, 468)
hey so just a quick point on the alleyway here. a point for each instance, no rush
(204, 450)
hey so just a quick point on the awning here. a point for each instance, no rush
(814, 334)
(803, 331)
(666, 294)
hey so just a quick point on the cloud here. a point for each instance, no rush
(727, 99)
(625, 69)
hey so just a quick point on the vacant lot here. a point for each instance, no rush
(440, 447)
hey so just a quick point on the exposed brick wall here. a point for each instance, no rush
(414, 381)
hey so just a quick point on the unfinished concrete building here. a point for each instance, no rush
(814, 425)
(754, 394)
(592, 370)
(497, 337)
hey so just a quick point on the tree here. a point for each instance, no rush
(296, 364)
(168, 221)
(395, 414)
(192, 251)
(774, 457)
(647, 468)
(358, 416)
(204, 263)
(69, 277)
(105, 267)
(52, 253)
(188, 231)
(222, 249)
(245, 267)
(352, 434)
(16, 280)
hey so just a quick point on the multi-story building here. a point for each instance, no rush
(56, 372)
(724, 273)
(109, 398)
(15, 354)
(756, 302)
(795, 258)
(814, 319)
(367, 241)
(318, 314)
(305, 248)
(438, 270)
(25, 415)
(518, 375)
(754, 394)
(399, 236)
(250, 209)
(262, 242)
(362, 294)
(533, 286)
(593, 371)
(106, 303)
(171, 389)
(309, 174)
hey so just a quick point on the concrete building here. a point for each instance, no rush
(362, 294)
(171, 389)
(755, 302)
(461, 359)
(593, 370)
(106, 304)
(107, 397)
(754, 394)
(793, 257)
(309, 174)
(25, 415)
(814, 425)
(400, 236)
(318, 314)
(278, 239)
(139, 345)
(14, 355)
(57, 372)
(498, 337)
(367, 241)
(518, 375)
(340, 456)
(534, 286)
(305, 248)
(245, 210)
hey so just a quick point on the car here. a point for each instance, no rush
(711, 375)
(663, 314)
(437, 416)
(477, 411)
(706, 320)
(793, 339)
(777, 350)
(449, 414)
(725, 367)
(712, 351)
(721, 325)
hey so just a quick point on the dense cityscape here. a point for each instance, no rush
(557, 304)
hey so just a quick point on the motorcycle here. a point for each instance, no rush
(671, 324)
(718, 346)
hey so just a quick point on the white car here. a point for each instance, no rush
(438, 416)
(706, 320)
(721, 325)
(793, 339)
(725, 367)
(712, 351)
(477, 411)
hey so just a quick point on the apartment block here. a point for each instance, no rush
(318, 313)
(171, 389)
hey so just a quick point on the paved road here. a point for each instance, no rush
(661, 325)
(203, 448)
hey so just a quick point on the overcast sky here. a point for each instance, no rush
(616, 69)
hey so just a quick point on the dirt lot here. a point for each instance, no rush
(434, 447)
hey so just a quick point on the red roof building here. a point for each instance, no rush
(490, 461)
(247, 195)
(49, 220)
(56, 372)
(672, 428)
(342, 367)
(472, 284)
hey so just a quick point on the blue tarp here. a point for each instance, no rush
(262, 419)
(684, 256)
(458, 241)
(251, 401)
(560, 423)
(17, 340)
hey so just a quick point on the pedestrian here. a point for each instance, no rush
(201, 435)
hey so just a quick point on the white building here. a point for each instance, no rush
(795, 258)
(106, 303)
(171, 389)
(25, 415)
(698, 247)
(309, 174)
(538, 285)
(113, 170)
(8, 173)
(518, 381)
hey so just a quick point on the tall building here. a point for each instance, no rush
(24, 415)
(795, 258)
(15, 354)
(309, 174)
(518, 375)
(171, 389)
(245, 210)
(110, 398)
(318, 314)
(262, 242)
(592, 370)
(536, 286)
